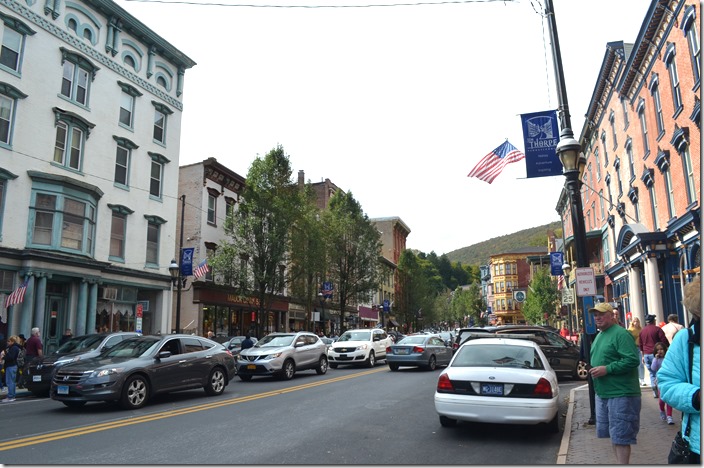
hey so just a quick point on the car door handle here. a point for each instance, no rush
(182, 360)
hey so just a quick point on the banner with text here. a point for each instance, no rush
(541, 133)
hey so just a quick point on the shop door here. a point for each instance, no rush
(54, 323)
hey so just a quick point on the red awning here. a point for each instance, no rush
(368, 313)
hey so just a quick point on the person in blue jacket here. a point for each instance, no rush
(677, 388)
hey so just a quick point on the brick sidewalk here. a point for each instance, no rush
(580, 446)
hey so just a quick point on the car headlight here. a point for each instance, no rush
(272, 356)
(106, 372)
(363, 347)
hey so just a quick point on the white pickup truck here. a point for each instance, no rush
(361, 346)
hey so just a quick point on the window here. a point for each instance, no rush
(670, 193)
(594, 215)
(76, 79)
(589, 221)
(631, 161)
(655, 93)
(617, 166)
(4, 177)
(596, 163)
(608, 187)
(160, 119)
(157, 171)
(123, 159)
(601, 204)
(654, 207)
(643, 130)
(229, 207)
(612, 121)
(680, 141)
(633, 196)
(212, 206)
(117, 236)
(603, 144)
(153, 231)
(127, 104)
(689, 26)
(13, 39)
(624, 107)
(62, 222)
(605, 249)
(71, 133)
(8, 102)
(669, 59)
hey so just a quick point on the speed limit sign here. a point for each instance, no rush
(567, 296)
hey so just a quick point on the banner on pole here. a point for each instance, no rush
(541, 134)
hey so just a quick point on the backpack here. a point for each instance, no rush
(20, 357)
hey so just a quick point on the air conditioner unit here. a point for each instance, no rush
(109, 294)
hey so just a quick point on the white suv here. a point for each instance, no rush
(360, 346)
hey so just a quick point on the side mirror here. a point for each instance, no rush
(164, 354)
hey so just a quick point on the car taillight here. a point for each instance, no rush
(388, 350)
(543, 389)
(228, 352)
(455, 346)
(418, 349)
(445, 384)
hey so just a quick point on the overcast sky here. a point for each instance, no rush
(395, 104)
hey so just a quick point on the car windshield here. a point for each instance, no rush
(497, 355)
(355, 336)
(275, 340)
(81, 343)
(412, 340)
(133, 347)
(236, 341)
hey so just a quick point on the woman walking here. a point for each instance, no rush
(634, 328)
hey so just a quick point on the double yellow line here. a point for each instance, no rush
(65, 434)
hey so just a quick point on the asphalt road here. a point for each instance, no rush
(348, 416)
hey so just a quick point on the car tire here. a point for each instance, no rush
(333, 365)
(393, 367)
(216, 382)
(288, 370)
(245, 377)
(135, 392)
(580, 371)
(432, 363)
(447, 422)
(74, 404)
(322, 366)
(553, 426)
(371, 360)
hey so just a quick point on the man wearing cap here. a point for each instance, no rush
(649, 335)
(614, 361)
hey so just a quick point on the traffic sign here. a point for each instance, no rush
(567, 296)
(585, 281)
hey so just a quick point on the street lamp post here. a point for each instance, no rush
(573, 162)
(175, 271)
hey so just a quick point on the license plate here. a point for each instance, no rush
(343, 355)
(36, 378)
(493, 389)
(62, 390)
(402, 351)
(251, 366)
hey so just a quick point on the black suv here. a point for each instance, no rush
(463, 333)
(562, 354)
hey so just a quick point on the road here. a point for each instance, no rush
(348, 416)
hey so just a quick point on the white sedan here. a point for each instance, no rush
(498, 380)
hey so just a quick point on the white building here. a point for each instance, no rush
(90, 123)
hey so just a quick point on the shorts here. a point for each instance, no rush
(618, 418)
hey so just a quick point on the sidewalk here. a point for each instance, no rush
(580, 446)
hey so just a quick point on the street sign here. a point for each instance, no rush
(567, 296)
(519, 296)
(585, 281)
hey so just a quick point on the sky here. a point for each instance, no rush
(395, 104)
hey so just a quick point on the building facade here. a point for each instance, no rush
(90, 124)
(641, 187)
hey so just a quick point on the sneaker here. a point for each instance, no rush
(670, 421)
(662, 415)
(7, 400)
(655, 394)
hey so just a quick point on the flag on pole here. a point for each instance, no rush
(16, 296)
(560, 282)
(201, 270)
(493, 163)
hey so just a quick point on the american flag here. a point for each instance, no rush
(493, 163)
(560, 282)
(16, 296)
(201, 270)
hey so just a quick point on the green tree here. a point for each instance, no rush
(420, 283)
(353, 247)
(468, 303)
(542, 297)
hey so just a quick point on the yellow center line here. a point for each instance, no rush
(64, 434)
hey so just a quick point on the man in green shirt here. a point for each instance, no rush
(614, 358)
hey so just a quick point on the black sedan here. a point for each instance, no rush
(138, 368)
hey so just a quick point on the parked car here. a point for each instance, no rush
(448, 337)
(427, 351)
(501, 381)
(136, 369)
(359, 346)
(282, 355)
(234, 344)
(395, 335)
(562, 354)
(328, 342)
(41, 370)
(461, 335)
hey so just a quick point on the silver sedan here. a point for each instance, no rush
(427, 351)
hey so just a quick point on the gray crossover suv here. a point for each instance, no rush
(282, 355)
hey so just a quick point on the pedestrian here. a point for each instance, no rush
(614, 360)
(68, 334)
(679, 377)
(10, 366)
(659, 356)
(634, 328)
(210, 334)
(617, 317)
(649, 335)
(671, 327)
(564, 332)
(247, 342)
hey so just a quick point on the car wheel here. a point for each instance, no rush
(134, 393)
(333, 365)
(245, 377)
(432, 363)
(288, 370)
(371, 360)
(216, 382)
(393, 367)
(447, 422)
(581, 371)
(554, 425)
(74, 404)
(322, 366)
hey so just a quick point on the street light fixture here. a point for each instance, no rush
(175, 271)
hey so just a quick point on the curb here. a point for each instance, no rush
(567, 432)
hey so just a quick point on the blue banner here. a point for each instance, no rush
(327, 290)
(589, 324)
(187, 261)
(556, 262)
(386, 305)
(541, 133)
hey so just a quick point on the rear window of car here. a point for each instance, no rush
(497, 355)
(412, 340)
